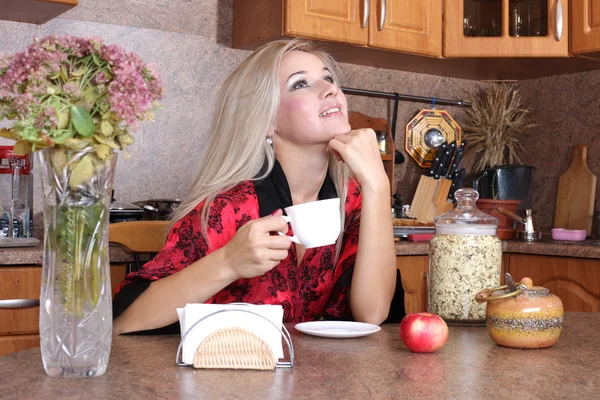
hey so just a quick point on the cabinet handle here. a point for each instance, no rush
(19, 303)
(559, 20)
(366, 7)
(382, 14)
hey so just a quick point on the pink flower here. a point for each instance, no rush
(66, 69)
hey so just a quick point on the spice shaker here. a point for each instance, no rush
(465, 256)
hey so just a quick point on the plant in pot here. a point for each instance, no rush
(494, 127)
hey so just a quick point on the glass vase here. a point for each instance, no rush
(76, 298)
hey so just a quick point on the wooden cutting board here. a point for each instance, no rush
(576, 194)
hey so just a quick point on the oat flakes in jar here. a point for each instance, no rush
(465, 256)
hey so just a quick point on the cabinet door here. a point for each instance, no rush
(585, 27)
(19, 327)
(337, 20)
(506, 28)
(576, 281)
(411, 26)
(413, 270)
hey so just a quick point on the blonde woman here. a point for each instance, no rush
(279, 137)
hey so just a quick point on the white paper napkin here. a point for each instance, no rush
(261, 327)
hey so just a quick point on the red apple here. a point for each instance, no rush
(423, 332)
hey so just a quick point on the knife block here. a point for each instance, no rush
(430, 198)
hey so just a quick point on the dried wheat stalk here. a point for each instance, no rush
(495, 124)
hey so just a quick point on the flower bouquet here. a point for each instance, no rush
(77, 101)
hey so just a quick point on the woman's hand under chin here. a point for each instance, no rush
(358, 149)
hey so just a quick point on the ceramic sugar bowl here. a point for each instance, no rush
(522, 315)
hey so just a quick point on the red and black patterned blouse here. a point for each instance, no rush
(307, 291)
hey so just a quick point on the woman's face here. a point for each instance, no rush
(312, 108)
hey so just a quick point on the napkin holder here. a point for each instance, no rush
(236, 348)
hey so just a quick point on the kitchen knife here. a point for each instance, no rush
(457, 182)
(445, 161)
(438, 157)
(457, 158)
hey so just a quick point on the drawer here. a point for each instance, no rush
(20, 283)
(12, 344)
(24, 283)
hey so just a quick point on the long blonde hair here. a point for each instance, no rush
(245, 111)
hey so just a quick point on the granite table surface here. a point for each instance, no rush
(470, 366)
(118, 254)
(546, 247)
(35, 255)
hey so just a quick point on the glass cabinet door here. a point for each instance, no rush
(506, 28)
(527, 18)
(482, 18)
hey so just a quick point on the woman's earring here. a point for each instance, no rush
(269, 140)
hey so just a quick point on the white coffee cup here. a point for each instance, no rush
(315, 224)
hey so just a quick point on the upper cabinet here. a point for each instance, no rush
(472, 39)
(506, 28)
(585, 39)
(34, 11)
(337, 21)
(411, 26)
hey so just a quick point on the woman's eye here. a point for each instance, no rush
(299, 85)
(329, 79)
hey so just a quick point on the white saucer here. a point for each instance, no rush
(337, 329)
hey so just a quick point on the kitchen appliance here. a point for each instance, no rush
(426, 132)
(576, 194)
(16, 194)
(124, 212)
(158, 209)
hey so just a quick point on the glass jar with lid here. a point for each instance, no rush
(465, 256)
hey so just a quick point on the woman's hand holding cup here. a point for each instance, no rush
(253, 251)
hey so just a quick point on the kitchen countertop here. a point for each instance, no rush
(546, 247)
(588, 249)
(379, 366)
(34, 255)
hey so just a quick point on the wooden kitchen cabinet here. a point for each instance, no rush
(34, 11)
(414, 270)
(337, 21)
(585, 31)
(506, 28)
(576, 281)
(411, 26)
(19, 328)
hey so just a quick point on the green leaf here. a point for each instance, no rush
(82, 121)
(107, 141)
(63, 73)
(58, 159)
(62, 114)
(77, 144)
(103, 151)
(90, 95)
(78, 72)
(82, 172)
(95, 59)
(53, 89)
(61, 135)
(106, 128)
